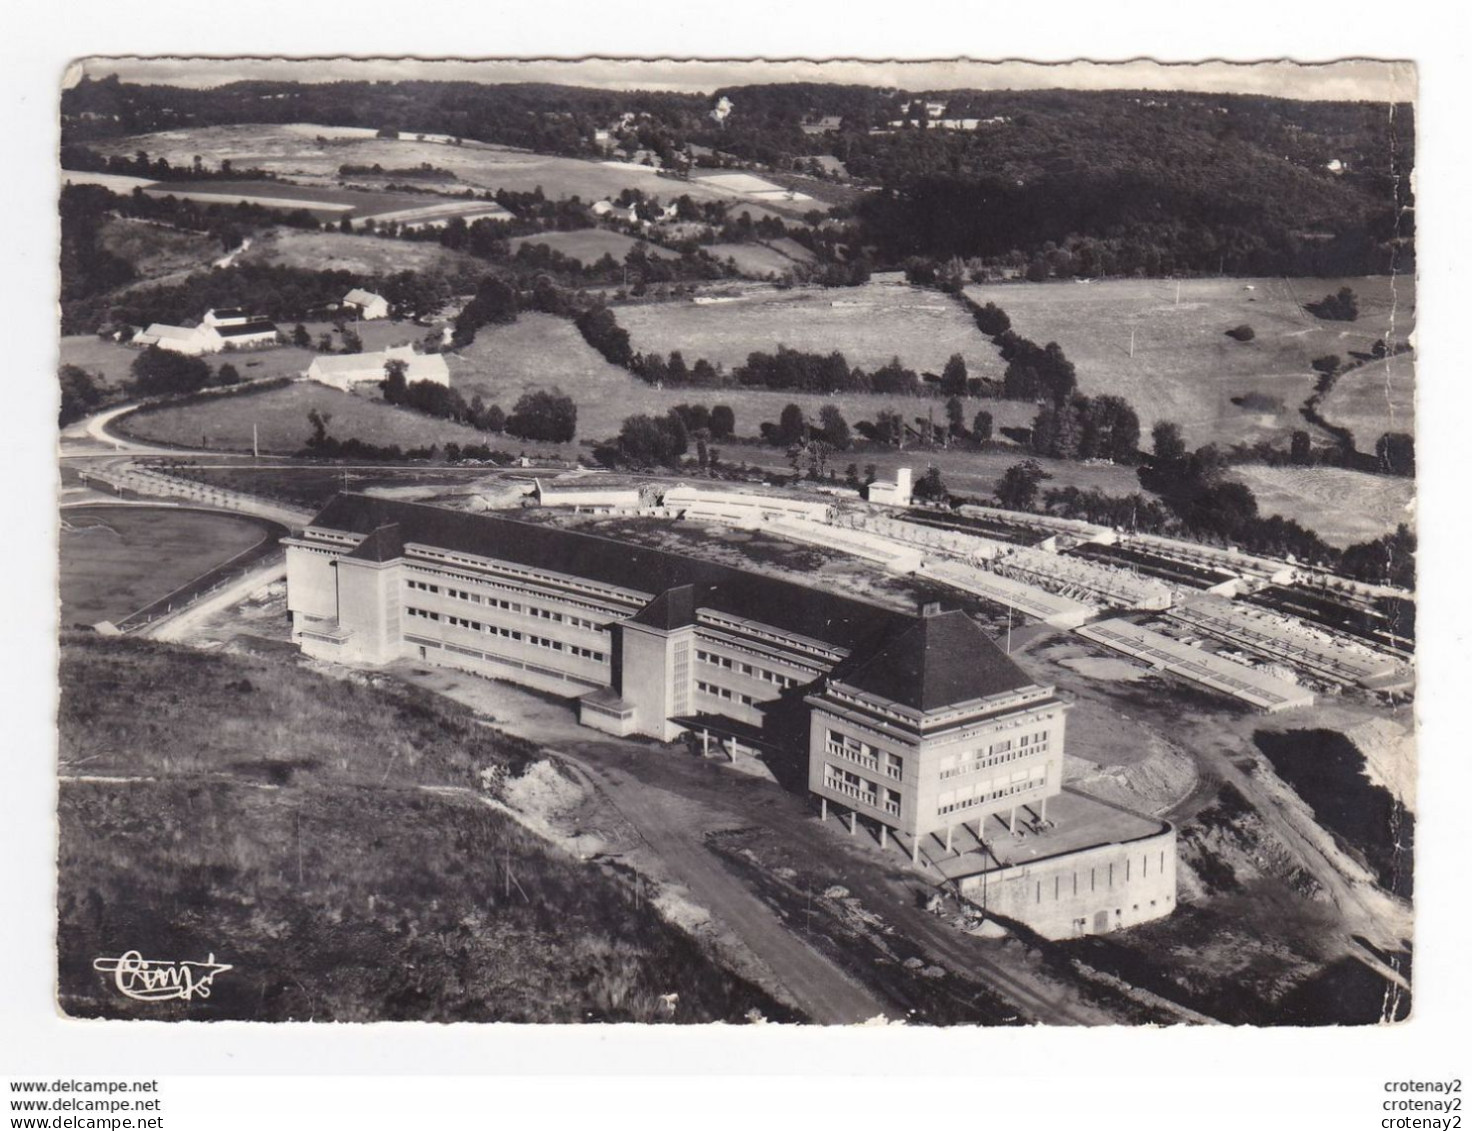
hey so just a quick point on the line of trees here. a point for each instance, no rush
(494, 304)
(1034, 372)
(547, 415)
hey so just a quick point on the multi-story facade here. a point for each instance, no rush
(934, 728)
(652, 642)
(919, 725)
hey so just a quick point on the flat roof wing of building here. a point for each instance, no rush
(1079, 822)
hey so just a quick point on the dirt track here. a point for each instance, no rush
(674, 803)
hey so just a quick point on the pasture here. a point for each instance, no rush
(870, 324)
(748, 187)
(224, 424)
(1374, 399)
(116, 560)
(360, 254)
(588, 245)
(112, 361)
(113, 182)
(105, 359)
(437, 215)
(759, 260)
(1184, 367)
(539, 351)
(327, 202)
(1341, 506)
(312, 154)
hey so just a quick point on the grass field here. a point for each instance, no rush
(1342, 506)
(325, 201)
(869, 324)
(539, 351)
(312, 485)
(588, 245)
(281, 415)
(362, 255)
(1184, 367)
(113, 182)
(1376, 398)
(293, 150)
(758, 260)
(117, 559)
(108, 359)
(329, 841)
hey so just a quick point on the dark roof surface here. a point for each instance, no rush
(672, 609)
(260, 327)
(384, 545)
(933, 662)
(811, 612)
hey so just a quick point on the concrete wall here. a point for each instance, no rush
(369, 608)
(1090, 892)
(657, 675)
(311, 582)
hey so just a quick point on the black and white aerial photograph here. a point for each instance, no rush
(676, 542)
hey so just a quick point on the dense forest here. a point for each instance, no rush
(1118, 182)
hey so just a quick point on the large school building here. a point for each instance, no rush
(918, 725)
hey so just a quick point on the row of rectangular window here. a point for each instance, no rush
(512, 606)
(724, 693)
(515, 571)
(507, 584)
(846, 746)
(870, 705)
(981, 797)
(750, 628)
(995, 755)
(751, 670)
(853, 785)
(510, 634)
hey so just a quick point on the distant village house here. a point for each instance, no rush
(365, 304)
(218, 330)
(344, 370)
